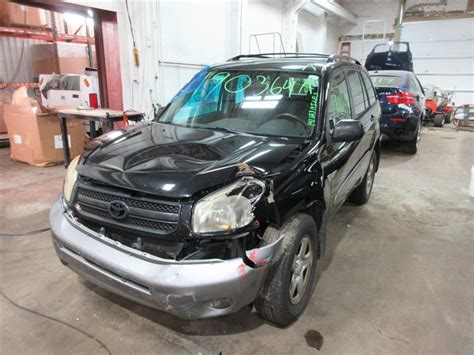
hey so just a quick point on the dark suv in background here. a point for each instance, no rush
(223, 201)
(403, 103)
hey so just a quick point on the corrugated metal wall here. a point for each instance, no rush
(16, 59)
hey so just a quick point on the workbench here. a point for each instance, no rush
(103, 116)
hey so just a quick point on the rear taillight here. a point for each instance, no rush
(398, 119)
(404, 98)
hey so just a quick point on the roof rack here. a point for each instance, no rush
(337, 57)
(329, 58)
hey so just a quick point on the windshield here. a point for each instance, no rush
(260, 102)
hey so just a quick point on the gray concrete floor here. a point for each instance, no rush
(398, 276)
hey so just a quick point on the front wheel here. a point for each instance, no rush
(361, 194)
(290, 282)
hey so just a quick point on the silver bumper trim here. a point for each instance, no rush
(188, 289)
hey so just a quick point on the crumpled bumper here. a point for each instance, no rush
(187, 289)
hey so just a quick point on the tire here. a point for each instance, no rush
(439, 120)
(361, 193)
(411, 147)
(274, 302)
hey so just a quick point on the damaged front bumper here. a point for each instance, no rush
(188, 289)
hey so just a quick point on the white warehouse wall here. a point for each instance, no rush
(175, 38)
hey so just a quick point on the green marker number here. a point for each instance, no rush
(262, 81)
(276, 90)
(249, 82)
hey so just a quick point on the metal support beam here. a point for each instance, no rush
(399, 21)
(336, 9)
(108, 60)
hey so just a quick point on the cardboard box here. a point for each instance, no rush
(65, 96)
(72, 58)
(14, 14)
(5, 98)
(35, 137)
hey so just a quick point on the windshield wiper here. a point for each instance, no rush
(225, 129)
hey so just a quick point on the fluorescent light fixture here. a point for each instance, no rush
(260, 104)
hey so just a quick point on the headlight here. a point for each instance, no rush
(71, 177)
(228, 208)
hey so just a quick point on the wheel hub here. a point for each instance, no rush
(301, 270)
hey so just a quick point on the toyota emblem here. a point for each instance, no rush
(118, 209)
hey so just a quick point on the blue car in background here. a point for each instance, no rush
(402, 100)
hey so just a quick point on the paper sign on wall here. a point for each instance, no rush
(17, 139)
(58, 141)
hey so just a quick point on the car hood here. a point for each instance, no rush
(178, 162)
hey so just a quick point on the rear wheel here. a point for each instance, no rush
(290, 282)
(361, 194)
(411, 147)
(439, 120)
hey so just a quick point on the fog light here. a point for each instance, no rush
(221, 303)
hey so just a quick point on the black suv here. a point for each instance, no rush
(224, 199)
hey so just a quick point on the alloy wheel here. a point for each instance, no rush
(301, 270)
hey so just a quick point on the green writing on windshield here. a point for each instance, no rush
(313, 109)
(259, 84)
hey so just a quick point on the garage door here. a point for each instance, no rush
(443, 55)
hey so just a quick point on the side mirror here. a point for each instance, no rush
(347, 131)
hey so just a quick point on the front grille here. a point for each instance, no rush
(107, 197)
(144, 214)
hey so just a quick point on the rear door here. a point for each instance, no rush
(340, 160)
(360, 151)
(336, 157)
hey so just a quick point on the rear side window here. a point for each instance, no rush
(416, 85)
(369, 87)
(386, 81)
(357, 92)
(339, 106)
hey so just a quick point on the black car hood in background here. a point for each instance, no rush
(177, 162)
(390, 59)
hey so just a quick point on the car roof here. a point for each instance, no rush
(272, 64)
(306, 63)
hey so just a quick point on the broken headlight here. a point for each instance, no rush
(228, 208)
(70, 180)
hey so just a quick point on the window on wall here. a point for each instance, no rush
(339, 106)
(357, 92)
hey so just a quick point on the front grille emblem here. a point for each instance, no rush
(118, 209)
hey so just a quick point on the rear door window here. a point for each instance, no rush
(357, 92)
(369, 87)
(415, 84)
